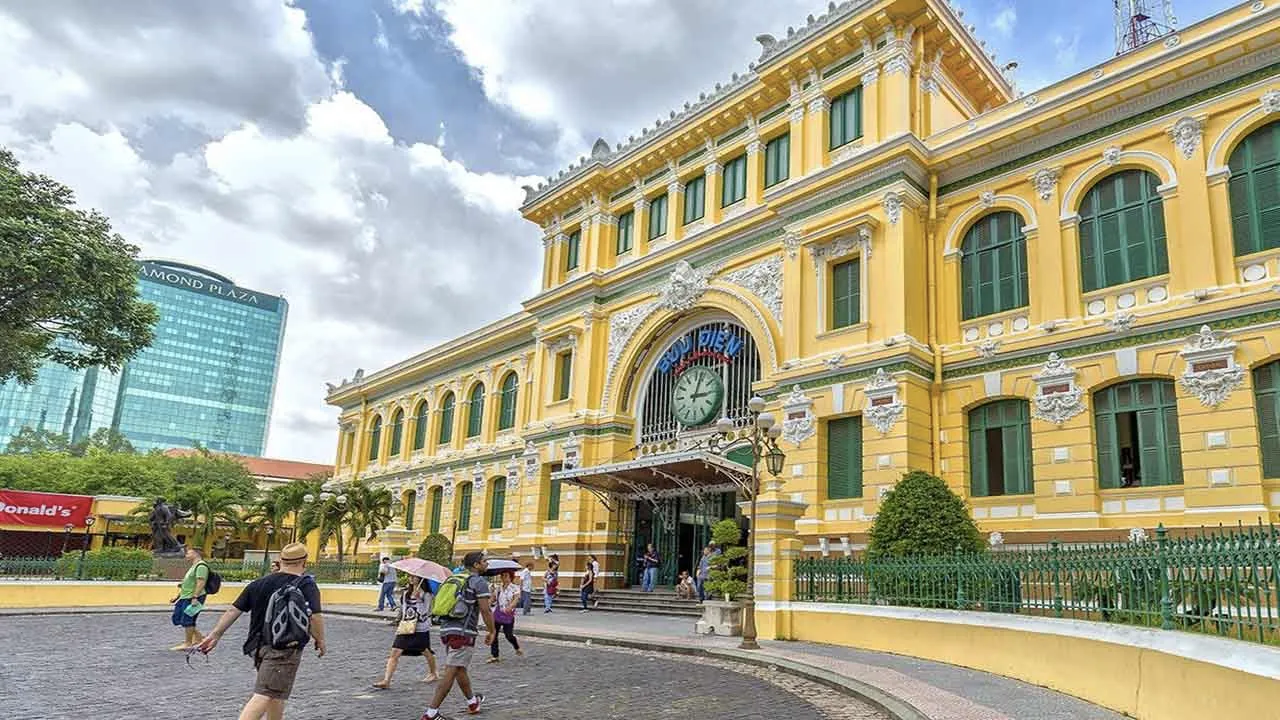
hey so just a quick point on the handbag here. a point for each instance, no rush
(407, 627)
(502, 617)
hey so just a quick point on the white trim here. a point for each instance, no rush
(1065, 515)
(1101, 167)
(997, 202)
(1227, 508)
(1244, 657)
(1216, 167)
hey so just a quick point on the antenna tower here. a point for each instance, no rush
(1139, 22)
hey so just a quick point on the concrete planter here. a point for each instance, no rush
(720, 618)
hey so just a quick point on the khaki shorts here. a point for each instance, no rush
(276, 672)
(458, 656)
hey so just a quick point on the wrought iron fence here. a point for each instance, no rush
(1222, 582)
(93, 566)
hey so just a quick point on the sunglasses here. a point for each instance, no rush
(192, 651)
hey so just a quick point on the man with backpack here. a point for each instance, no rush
(196, 585)
(284, 613)
(460, 603)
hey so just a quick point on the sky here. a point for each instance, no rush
(364, 158)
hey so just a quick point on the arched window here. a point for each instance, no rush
(420, 426)
(497, 503)
(375, 438)
(464, 507)
(1122, 236)
(397, 432)
(507, 406)
(475, 411)
(437, 505)
(1266, 391)
(446, 419)
(993, 265)
(410, 509)
(1137, 441)
(1000, 449)
(1254, 189)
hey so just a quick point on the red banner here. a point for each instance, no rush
(47, 509)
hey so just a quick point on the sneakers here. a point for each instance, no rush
(583, 611)
(473, 705)
(492, 660)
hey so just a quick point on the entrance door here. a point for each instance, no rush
(678, 528)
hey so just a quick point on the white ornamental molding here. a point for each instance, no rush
(1186, 135)
(1057, 398)
(892, 203)
(798, 422)
(791, 241)
(1137, 535)
(1045, 180)
(421, 488)
(819, 104)
(1212, 373)
(754, 147)
(572, 446)
(513, 473)
(995, 539)
(1121, 322)
(1270, 101)
(797, 114)
(884, 406)
(897, 64)
(1111, 155)
(840, 247)
(987, 198)
(988, 348)
(764, 280)
(929, 85)
(871, 76)
(685, 286)
(532, 461)
(623, 325)
(447, 481)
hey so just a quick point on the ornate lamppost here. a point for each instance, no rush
(762, 437)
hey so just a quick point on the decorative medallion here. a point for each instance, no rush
(1045, 181)
(798, 422)
(1212, 373)
(1057, 397)
(987, 198)
(791, 241)
(892, 203)
(1186, 135)
(1121, 322)
(764, 280)
(1111, 155)
(1137, 535)
(995, 539)
(571, 447)
(685, 285)
(1270, 101)
(988, 348)
(884, 408)
(513, 473)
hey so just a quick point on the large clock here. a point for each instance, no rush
(698, 396)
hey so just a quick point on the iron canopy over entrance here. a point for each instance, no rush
(693, 472)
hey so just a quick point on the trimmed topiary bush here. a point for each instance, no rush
(922, 516)
(437, 549)
(728, 569)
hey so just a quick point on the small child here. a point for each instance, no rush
(684, 586)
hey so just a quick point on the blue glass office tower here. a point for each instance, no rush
(208, 378)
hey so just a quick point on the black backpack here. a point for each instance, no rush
(287, 623)
(213, 582)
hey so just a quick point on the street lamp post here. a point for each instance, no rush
(88, 524)
(226, 547)
(763, 440)
(266, 554)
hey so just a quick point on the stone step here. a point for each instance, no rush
(647, 606)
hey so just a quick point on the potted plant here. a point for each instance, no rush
(727, 580)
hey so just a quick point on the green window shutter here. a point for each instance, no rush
(1266, 388)
(853, 115)
(1157, 447)
(733, 186)
(777, 160)
(835, 123)
(553, 500)
(1243, 216)
(571, 250)
(844, 458)
(375, 439)
(564, 375)
(420, 426)
(993, 265)
(626, 222)
(410, 509)
(475, 412)
(464, 507)
(498, 504)
(446, 420)
(979, 484)
(846, 300)
(437, 505)
(397, 429)
(658, 217)
(1254, 191)
(1105, 442)
(507, 405)
(1009, 420)
(695, 199)
(1122, 231)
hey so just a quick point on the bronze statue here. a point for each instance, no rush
(162, 519)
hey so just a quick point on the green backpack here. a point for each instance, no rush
(449, 602)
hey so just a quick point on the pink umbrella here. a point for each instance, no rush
(422, 568)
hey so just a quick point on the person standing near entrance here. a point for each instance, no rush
(588, 586)
(651, 562)
(275, 643)
(551, 582)
(526, 587)
(459, 637)
(190, 600)
(704, 570)
(387, 576)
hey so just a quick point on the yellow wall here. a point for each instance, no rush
(20, 594)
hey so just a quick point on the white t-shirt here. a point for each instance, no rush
(595, 567)
(526, 580)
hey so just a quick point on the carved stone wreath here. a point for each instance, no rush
(684, 286)
(764, 280)
(798, 423)
(1212, 373)
(1057, 397)
(884, 408)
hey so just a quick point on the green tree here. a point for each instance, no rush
(103, 440)
(30, 441)
(370, 509)
(728, 569)
(329, 517)
(209, 506)
(922, 516)
(68, 285)
(437, 549)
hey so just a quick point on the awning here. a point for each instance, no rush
(685, 473)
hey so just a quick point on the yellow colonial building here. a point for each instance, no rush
(1066, 303)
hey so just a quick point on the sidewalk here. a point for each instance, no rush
(910, 688)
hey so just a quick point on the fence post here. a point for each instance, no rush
(956, 562)
(1056, 565)
(1166, 602)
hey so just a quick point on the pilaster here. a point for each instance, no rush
(755, 172)
(675, 210)
(1048, 291)
(591, 251)
(794, 300)
(640, 228)
(817, 133)
(798, 138)
(871, 105)
(775, 547)
(1190, 248)
(714, 192)
(895, 94)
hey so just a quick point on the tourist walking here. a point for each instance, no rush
(275, 643)
(190, 600)
(595, 571)
(551, 582)
(458, 632)
(505, 600)
(587, 587)
(651, 561)
(704, 570)
(526, 587)
(387, 576)
(413, 632)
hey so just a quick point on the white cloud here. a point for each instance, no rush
(1066, 50)
(1005, 21)
(293, 185)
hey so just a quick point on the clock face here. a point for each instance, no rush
(698, 396)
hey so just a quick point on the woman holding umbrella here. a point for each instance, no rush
(413, 632)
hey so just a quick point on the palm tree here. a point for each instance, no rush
(210, 505)
(372, 509)
(327, 515)
(270, 509)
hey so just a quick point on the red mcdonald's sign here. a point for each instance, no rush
(43, 509)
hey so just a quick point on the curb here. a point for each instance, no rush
(895, 707)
